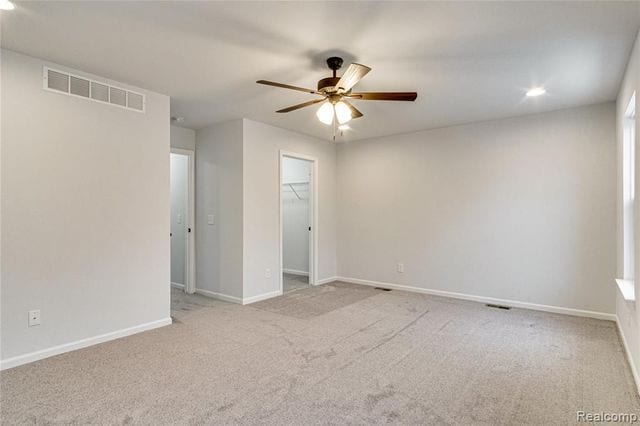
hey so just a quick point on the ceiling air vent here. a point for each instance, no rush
(74, 85)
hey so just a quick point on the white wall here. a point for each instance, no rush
(520, 209)
(262, 144)
(295, 215)
(183, 138)
(85, 215)
(219, 192)
(628, 315)
(237, 180)
(179, 199)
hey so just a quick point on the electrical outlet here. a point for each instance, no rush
(179, 218)
(401, 268)
(34, 317)
(267, 273)
(210, 219)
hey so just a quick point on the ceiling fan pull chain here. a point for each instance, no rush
(334, 129)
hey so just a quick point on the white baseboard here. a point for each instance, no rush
(238, 300)
(177, 285)
(326, 280)
(219, 296)
(79, 344)
(295, 272)
(634, 371)
(483, 299)
(264, 296)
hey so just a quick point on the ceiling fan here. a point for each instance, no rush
(336, 93)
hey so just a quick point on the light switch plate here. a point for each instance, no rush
(179, 218)
(210, 219)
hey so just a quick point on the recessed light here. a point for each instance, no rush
(6, 5)
(536, 91)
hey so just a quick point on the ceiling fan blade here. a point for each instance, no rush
(302, 105)
(384, 96)
(287, 86)
(354, 111)
(352, 75)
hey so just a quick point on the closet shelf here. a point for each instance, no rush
(292, 184)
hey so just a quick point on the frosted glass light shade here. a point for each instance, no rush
(325, 113)
(343, 113)
(6, 5)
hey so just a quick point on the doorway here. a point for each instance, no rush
(182, 230)
(297, 228)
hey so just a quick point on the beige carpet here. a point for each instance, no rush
(291, 282)
(357, 356)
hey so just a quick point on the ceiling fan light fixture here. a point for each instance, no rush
(325, 113)
(343, 113)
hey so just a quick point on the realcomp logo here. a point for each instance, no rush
(583, 416)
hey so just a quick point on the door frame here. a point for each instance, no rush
(313, 215)
(190, 258)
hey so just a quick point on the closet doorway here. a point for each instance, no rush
(182, 230)
(298, 212)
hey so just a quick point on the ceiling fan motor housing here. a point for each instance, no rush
(328, 84)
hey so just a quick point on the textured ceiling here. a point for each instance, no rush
(467, 61)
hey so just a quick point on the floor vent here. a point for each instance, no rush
(382, 289)
(491, 305)
(81, 87)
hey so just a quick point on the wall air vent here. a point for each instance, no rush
(75, 85)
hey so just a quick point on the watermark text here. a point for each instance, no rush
(604, 417)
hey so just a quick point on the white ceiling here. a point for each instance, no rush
(467, 61)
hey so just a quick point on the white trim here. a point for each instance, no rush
(634, 371)
(627, 289)
(326, 280)
(79, 344)
(260, 297)
(630, 111)
(295, 272)
(177, 285)
(190, 253)
(238, 300)
(483, 299)
(313, 210)
(219, 296)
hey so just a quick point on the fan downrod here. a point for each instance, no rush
(334, 63)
